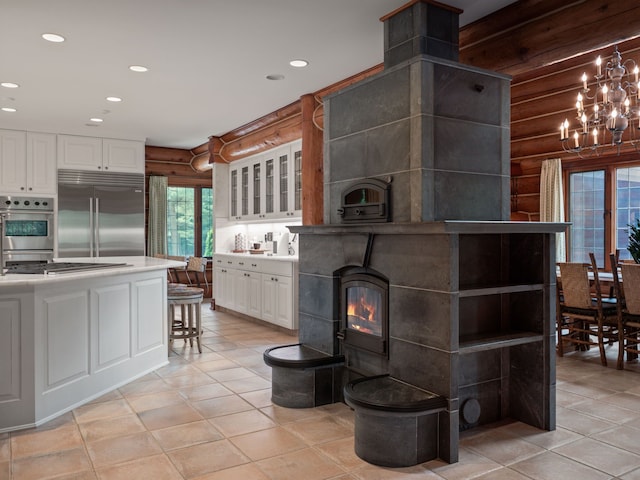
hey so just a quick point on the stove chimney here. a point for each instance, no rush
(421, 27)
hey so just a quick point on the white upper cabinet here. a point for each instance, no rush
(27, 162)
(42, 171)
(267, 186)
(79, 153)
(98, 154)
(123, 155)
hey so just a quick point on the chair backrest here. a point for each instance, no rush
(197, 264)
(576, 288)
(631, 287)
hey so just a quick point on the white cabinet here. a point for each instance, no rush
(267, 186)
(79, 153)
(247, 292)
(223, 282)
(16, 372)
(98, 154)
(42, 169)
(262, 288)
(277, 292)
(27, 162)
(122, 155)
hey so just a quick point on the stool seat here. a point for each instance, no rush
(189, 325)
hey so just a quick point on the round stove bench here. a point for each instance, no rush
(396, 424)
(302, 377)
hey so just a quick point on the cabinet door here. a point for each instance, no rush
(277, 300)
(234, 193)
(244, 190)
(269, 185)
(284, 298)
(79, 153)
(17, 377)
(222, 287)
(240, 289)
(13, 171)
(123, 155)
(254, 297)
(296, 154)
(41, 163)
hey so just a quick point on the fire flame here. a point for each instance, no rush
(363, 312)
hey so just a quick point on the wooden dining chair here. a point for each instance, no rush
(628, 310)
(582, 304)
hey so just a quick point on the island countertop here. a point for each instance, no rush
(133, 265)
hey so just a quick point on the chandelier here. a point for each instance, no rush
(605, 113)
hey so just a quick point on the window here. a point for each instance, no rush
(602, 202)
(587, 215)
(190, 221)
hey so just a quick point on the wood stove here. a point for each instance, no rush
(365, 312)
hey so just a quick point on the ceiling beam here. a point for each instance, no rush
(530, 34)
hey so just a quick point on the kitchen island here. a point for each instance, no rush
(66, 339)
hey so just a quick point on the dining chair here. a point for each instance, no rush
(582, 305)
(628, 310)
(197, 266)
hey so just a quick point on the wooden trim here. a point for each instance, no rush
(413, 2)
(313, 164)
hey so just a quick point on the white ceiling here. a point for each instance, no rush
(207, 61)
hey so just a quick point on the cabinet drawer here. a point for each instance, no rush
(278, 267)
(250, 264)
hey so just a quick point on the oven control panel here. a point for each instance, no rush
(10, 202)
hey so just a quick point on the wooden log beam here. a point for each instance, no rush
(312, 164)
(530, 34)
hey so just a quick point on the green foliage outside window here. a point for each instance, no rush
(181, 221)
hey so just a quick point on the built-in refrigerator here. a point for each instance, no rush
(100, 214)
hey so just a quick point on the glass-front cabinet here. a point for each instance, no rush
(267, 186)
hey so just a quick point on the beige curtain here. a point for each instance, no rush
(157, 237)
(552, 200)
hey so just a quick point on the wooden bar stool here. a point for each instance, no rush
(189, 325)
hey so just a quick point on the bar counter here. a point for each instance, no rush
(69, 338)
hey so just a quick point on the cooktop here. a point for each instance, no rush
(58, 267)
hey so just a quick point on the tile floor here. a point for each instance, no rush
(209, 417)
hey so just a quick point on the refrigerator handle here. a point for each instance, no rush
(96, 231)
(91, 229)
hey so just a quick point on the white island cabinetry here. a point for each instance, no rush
(73, 337)
(258, 286)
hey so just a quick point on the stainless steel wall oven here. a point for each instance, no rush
(28, 233)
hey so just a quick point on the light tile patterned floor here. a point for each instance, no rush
(209, 417)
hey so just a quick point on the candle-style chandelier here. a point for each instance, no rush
(607, 111)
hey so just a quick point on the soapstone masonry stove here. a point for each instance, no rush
(416, 202)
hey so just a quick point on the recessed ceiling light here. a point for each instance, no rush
(114, 99)
(8, 109)
(9, 85)
(275, 76)
(138, 68)
(299, 63)
(96, 120)
(53, 37)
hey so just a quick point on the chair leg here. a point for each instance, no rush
(620, 364)
(603, 356)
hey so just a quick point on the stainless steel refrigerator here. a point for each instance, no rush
(100, 214)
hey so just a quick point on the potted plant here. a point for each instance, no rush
(634, 241)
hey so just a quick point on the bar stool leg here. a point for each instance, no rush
(198, 326)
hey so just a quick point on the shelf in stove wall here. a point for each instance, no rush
(491, 341)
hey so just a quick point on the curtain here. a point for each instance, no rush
(552, 200)
(157, 236)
